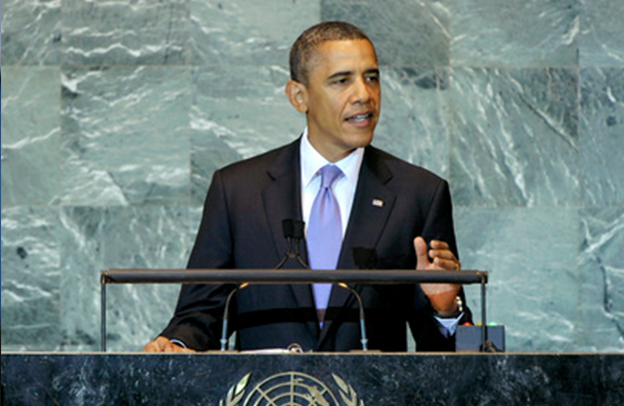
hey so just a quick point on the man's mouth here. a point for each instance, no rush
(360, 118)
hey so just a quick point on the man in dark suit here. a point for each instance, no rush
(392, 211)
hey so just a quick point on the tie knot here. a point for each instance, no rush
(329, 174)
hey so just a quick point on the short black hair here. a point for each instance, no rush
(302, 51)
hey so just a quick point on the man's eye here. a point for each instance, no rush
(373, 78)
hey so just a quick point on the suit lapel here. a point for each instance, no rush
(372, 205)
(282, 200)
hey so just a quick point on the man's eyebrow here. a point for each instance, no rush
(340, 74)
(374, 71)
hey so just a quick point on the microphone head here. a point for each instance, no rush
(293, 228)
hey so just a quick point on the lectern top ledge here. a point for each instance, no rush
(371, 277)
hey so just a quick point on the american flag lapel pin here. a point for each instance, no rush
(378, 203)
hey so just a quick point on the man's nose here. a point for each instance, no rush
(361, 92)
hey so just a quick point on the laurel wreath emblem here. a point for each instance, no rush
(347, 393)
(236, 393)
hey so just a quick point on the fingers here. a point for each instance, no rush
(422, 260)
(447, 264)
(443, 257)
(174, 348)
(439, 245)
(158, 345)
(151, 347)
(163, 344)
(440, 252)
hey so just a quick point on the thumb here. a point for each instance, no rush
(422, 260)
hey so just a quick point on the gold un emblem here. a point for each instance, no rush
(291, 389)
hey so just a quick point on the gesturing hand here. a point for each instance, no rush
(441, 295)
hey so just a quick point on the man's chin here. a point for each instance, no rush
(360, 139)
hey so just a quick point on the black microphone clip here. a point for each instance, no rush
(293, 233)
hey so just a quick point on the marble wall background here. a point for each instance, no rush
(116, 113)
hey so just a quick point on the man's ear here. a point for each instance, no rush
(297, 95)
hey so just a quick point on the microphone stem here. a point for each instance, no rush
(363, 338)
(226, 311)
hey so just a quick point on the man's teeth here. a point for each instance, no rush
(360, 117)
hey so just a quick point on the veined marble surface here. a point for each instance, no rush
(31, 135)
(115, 114)
(125, 136)
(602, 136)
(501, 33)
(413, 123)
(530, 254)
(248, 32)
(118, 32)
(97, 239)
(237, 117)
(514, 137)
(601, 291)
(51, 260)
(405, 33)
(31, 272)
(32, 32)
(601, 33)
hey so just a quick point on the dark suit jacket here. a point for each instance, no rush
(242, 228)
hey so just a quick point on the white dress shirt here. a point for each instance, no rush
(343, 188)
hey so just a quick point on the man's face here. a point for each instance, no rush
(343, 97)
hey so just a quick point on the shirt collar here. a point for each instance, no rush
(312, 161)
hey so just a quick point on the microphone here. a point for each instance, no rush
(293, 233)
(364, 258)
(224, 326)
(363, 338)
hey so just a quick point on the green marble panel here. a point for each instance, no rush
(514, 137)
(405, 33)
(520, 33)
(601, 290)
(238, 114)
(119, 32)
(601, 39)
(31, 32)
(534, 279)
(31, 275)
(97, 239)
(30, 135)
(248, 32)
(602, 137)
(413, 117)
(126, 136)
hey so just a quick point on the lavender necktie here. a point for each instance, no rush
(324, 236)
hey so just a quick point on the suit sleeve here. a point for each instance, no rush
(198, 314)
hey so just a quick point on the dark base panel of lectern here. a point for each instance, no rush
(312, 379)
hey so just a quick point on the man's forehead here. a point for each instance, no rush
(344, 46)
(339, 52)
